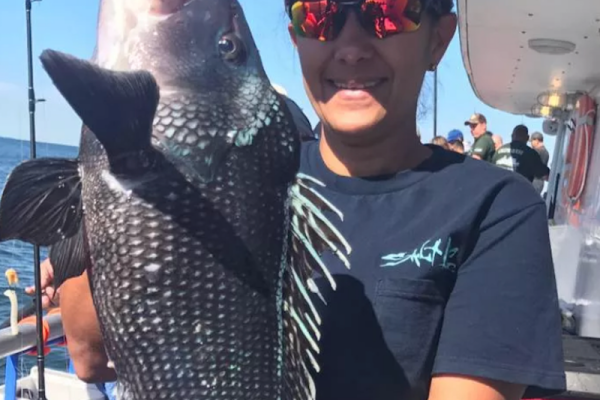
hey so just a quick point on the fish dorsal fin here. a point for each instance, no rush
(311, 234)
(118, 107)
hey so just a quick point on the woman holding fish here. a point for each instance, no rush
(451, 293)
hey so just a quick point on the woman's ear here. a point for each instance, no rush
(292, 34)
(443, 32)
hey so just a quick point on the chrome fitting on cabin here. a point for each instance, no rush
(555, 104)
(564, 101)
(549, 112)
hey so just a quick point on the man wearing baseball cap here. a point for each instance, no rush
(483, 147)
(455, 135)
(456, 141)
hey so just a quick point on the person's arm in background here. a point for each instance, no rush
(81, 327)
(501, 333)
(455, 387)
(50, 297)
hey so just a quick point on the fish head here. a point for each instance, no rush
(202, 55)
(185, 44)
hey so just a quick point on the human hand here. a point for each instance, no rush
(50, 297)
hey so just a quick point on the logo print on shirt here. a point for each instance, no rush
(428, 254)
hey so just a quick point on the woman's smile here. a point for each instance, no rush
(353, 90)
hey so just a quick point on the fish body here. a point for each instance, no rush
(185, 206)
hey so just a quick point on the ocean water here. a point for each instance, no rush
(19, 255)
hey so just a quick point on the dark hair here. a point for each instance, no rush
(537, 136)
(438, 8)
(521, 130)
(520, 133)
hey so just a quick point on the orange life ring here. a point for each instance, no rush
(567, 168)
(579, 151)
(31, 320)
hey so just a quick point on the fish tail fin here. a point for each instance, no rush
(311, 235)
(118, 107)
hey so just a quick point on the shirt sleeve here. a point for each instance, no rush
(502, 319)
(479, 149)
(483, 149)
(495, 158)
(542, 171)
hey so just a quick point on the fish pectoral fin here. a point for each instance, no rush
(68, 258)
(118, 107)
(311, 234)
(41, 202)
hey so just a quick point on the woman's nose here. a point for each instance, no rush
(353, 42)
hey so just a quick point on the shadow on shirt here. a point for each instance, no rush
(355, 362)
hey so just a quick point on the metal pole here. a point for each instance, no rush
(435, 101)
(36, 250)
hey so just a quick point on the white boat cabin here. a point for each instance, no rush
(540, 58)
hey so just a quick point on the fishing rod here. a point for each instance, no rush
(36, 250)
(435, 101)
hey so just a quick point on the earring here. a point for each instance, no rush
(432, 67)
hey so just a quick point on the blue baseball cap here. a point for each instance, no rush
(455, 135)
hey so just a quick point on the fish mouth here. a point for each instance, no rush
(167, 7)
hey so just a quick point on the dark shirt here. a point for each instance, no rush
(518, 157)
(484, 147)
(317, 130)
(538, 184)
(448, 275)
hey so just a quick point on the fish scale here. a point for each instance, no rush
(232, 345)
(185, 206)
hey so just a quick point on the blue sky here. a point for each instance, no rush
(69, 26)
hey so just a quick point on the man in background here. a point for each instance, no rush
(497, 141)
(537, 142)
(457, 147)
(520, 158)
(456, 141)
(483, 147)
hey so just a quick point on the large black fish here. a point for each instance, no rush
(199, 234)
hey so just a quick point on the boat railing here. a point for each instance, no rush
(15, 344)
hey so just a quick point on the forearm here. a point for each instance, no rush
(82, 330)
(454, 387)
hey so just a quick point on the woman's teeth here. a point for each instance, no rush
(355, 85)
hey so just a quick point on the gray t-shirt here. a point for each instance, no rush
(538, 184)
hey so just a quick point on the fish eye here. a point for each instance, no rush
(232, 48)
